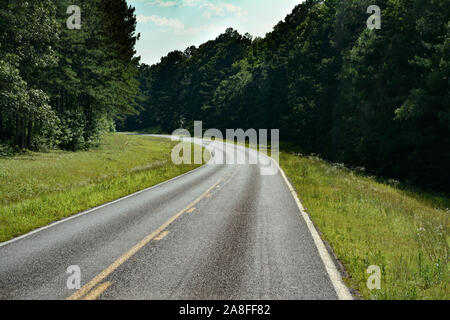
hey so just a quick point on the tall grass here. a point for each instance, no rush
(367, 222)
(39, 188)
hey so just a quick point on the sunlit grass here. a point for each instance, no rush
(367, 222)
(404, 232)
(39, 188)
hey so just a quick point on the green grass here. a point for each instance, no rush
(367, 222)
(39, 188)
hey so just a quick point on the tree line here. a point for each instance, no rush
(61, 88)
(372, 98)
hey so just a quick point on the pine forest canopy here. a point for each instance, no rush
(59, 86)
(374, 98)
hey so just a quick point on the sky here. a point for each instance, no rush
(167, 25)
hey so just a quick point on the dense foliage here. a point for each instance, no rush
(62, 87)
(373, 98)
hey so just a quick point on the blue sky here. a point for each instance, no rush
(167, 25)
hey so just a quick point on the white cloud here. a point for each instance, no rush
(162, 3)
(209, 9)
(161, 21)
(221, 9)
(192, 3)
(172, 3)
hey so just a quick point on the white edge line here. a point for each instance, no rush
(335, 276)
(77, 215)
(341, 289)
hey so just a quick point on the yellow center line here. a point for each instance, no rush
(191, 210)
(162, 235)
(102, 275)
(94, 294)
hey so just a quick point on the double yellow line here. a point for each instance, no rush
(86, 292)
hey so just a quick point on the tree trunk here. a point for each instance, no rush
(29, 133)
(22, 134)
(17, 134)
(1, 126)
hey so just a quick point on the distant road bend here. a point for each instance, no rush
(218, 232)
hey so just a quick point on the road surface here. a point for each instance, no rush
(222, 231)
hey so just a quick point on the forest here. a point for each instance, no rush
(62, 87)
(374, 99)
(377, 99)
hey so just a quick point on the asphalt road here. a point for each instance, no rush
(222, 231)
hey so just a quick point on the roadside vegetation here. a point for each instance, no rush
(39, 188)
(62, 88)
(369, 222)
(332, 86)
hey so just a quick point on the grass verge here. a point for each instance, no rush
(367, 222)
(403, 231)
(40, 188)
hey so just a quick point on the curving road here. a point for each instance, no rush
(218, 232)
